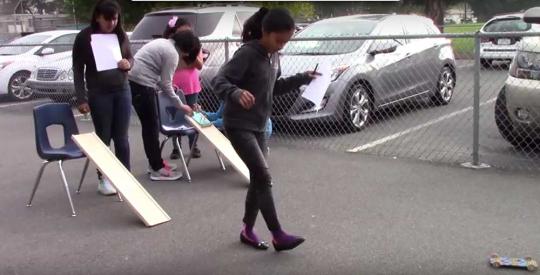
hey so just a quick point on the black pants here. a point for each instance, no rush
(251, 147)
(111, 111)
(144, 102)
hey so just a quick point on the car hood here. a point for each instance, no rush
(292, 64)
(61, 61)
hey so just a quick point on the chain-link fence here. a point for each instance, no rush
(451, 98)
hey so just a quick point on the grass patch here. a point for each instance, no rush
(463, 47)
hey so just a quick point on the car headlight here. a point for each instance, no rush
(526, 65)
(63, 76)
(4, 64)
(70, 74)
(337, 71)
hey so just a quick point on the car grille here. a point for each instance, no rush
(46, 74)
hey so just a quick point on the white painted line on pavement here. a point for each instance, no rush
(414, 129)
(23, 103)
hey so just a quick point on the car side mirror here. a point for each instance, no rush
(532, 15)
(381, 48)
(47, 51)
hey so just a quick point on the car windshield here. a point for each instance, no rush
(349, 28)
(30, 39)
(507, 25)
(153, 25)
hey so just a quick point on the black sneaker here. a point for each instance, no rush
(195, 153)
(175, 154)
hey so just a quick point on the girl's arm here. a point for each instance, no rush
(289, 84)
(226, 82)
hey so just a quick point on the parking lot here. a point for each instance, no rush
(360, 214)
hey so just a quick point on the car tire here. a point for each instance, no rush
(445, 87)
(504, 122)
(485, 63)
(15, 86)
(358, 108)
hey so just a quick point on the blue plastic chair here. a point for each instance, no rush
(173, 123)
(56, 114)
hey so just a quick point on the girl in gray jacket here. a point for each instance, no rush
(247, 84)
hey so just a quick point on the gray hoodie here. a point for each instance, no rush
(252, 69)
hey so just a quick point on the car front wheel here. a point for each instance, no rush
(358, 108)
(445, 87)
(16, 88)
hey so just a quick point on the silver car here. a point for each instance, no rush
(517, 109)
(367, 74)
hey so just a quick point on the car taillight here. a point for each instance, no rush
(486, 39)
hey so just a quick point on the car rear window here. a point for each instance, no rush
(507, 25)
(153, 25)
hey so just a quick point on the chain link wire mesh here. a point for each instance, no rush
(409, 97)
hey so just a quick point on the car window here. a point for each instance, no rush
(507, 25)
(207, 23)
(66, 41)
(344, 28)
(29, 39)
(153, 25)
(391, 28)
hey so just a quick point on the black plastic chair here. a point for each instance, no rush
(173, 123)
(56, 114)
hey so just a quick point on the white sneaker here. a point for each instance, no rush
(165, 174)
(168, 165)
(105, 187)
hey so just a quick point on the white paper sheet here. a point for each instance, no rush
(106, 49)
(315, 91)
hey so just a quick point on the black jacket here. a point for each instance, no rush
(254, 70)
(84, 67)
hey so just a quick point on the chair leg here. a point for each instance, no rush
(191, 150)
(83, 174)
(38, 180)
(73, 214)
(220, 160)
(184, 163)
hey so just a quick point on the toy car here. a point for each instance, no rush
(526, 263)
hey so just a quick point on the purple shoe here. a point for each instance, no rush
(260, 245)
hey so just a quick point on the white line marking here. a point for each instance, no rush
(23, 103)
(413, 129)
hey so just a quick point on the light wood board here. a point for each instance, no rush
(223, 145)
(142, 203)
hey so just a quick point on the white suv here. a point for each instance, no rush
(503, 48)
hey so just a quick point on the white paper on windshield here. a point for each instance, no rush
(106, 50)
(315, 91)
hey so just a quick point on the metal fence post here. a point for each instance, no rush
(226, 49)
(476, 108)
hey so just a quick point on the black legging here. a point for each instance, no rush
(251, 147)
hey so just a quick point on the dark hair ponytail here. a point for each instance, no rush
(189, 44)
(173, 24)
(109, 8)
(253, 26)
(274, 20)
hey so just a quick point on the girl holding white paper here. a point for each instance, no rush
(105, 93)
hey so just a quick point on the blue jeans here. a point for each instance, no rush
(111, 112)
